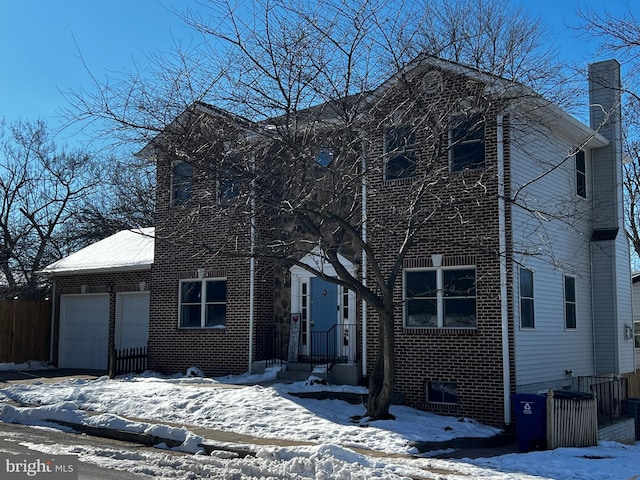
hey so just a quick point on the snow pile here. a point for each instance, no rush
(266, 412)
(173, 408)
(30, 365)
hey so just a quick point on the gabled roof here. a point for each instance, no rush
(523, 99)
(128, 250)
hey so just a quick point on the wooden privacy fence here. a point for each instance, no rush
(25, 330)
(127, 360)
(572, 420)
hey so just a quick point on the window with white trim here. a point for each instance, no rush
(581, 174)
(442, 392)
(181, 176)
(203, 303)
(467, 143)
(443, 297)
(400, 152)
(527, 315)
(570, 304)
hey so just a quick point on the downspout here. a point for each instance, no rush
(53, 317)
(364, 262)
(504, 304)
(252, 268)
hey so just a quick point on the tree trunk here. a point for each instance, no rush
(382, 380)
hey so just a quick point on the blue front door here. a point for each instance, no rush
(324, 316)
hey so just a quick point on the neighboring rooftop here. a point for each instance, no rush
(124, 251)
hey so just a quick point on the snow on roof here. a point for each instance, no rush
(126, 250)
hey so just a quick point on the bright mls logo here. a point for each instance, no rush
(54, 467)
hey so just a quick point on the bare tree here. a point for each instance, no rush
(303, 90)
(620, 36)
(41, 189)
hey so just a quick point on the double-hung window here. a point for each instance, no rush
(527, 316)
(400, 152)
(570, 315)
(440, 297)
(181, 177)
(467, 143)
(203, 303)
(581, 174)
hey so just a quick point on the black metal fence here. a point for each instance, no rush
(128, 360)
(337, 345)
(612, 394)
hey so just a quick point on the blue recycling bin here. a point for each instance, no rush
(531, 421)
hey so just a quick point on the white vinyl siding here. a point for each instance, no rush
(552, 248)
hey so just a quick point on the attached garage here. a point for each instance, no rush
(101, 299)
(84, 331)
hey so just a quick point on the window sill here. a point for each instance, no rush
(457, 331)
(399, 181)
(219, 327)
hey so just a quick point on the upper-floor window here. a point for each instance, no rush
(229, 179)
(527, 316)
(203, 303)
(181, 177)
(440, 297)
(570, 304)
(400, 152)
(324, 156)
(581, 174)
(467, 143)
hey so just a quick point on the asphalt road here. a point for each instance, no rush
(16, 439)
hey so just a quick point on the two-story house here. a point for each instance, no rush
(505, 213)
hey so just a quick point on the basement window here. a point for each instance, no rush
(442, 392)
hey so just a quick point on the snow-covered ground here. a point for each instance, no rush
(155, 404)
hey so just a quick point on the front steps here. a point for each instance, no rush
(299, 372)
(338, 374)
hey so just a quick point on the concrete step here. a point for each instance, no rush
(299, 367)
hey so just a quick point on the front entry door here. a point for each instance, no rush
(323, 316)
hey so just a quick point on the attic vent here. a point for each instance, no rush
(432, 82)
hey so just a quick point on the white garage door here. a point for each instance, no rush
(84, 331)
(132, 320)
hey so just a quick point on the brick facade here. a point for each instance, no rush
(464, 229)
(192, 237)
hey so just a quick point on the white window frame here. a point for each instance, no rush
(567, 303)
(440, 298)
(581, 174)
(202, 301)
(431, 385)
(528, 298)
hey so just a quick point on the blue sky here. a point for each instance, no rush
(41, 40)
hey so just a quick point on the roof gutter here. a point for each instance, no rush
(75, 271)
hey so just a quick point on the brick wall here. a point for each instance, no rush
(463, 222)
(202, 235)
